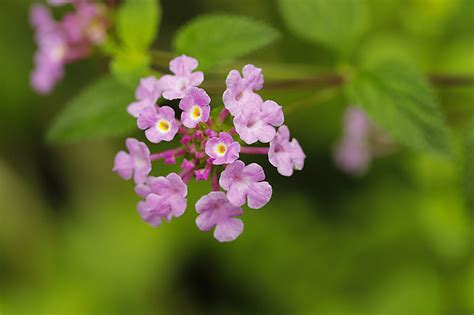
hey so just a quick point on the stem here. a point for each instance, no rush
(160, 155)
(214, 182)
(186, 176)
(318, 97)
(223, 115)
(451, 80)
(254, 150)
(162, 58)
(183, 130)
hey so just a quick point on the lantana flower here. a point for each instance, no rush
(210, 147)
(147, 93)
(360, 143)
(222, 149)
(195, 106)
(215, 210)
(165, 198)
(246, 183)
(135, 163)
(65, 41)
(177, 86)
(257, 121)
(159, 123)
(240, 90)
(284, 154)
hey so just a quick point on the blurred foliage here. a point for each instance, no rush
(93, 113)
(398, 98)
(337, 24)
(397, 241)
(216, 39)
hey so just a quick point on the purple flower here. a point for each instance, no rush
(147, 93)
(240, 90)
(149, 88)
(258, 120)
(353, 153)
(176, 86)
(165, 198)
(352, 156)
(285, 155)
(159, 123)
(136, 162)
(246, 183)
(52, 49)
(222, 149)
(195, 106)
(215, 210)
(64, 41)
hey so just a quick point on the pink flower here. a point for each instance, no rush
(176, 86)
(165, 198)
(353, 153)
(215, 210)
(240, 90)
(147, 93)
(52, 49)
(286, 156)
(258, 120)
(85, 26)
(62, 42)
(159, 123)
(246, 183)
(222, 149)
(136, 162)
(148, 88)
(195, 106)
(362, 141)
(352, 156)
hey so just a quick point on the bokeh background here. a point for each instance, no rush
(395, 241)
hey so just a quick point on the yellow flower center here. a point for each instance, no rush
(196, 112)
(163, 125)
(220, 149)
(58, 52)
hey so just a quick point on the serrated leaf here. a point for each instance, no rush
(216, 39)
(99, 111)
(336, 24)
(398, 98)
(138, 22)
(468, 170)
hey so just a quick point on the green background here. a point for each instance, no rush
(395, 241)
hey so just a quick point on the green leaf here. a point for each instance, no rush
(99, 111)
(468, 172)
(138, 22)
(216, 39)
(128, 66)
(336, 24)
(397, 97)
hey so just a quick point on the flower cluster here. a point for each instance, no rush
(209, 149)
(361, 142)
(61, 42)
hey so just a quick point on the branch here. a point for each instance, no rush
(161, 59)
(334, 80)
(451, 80)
